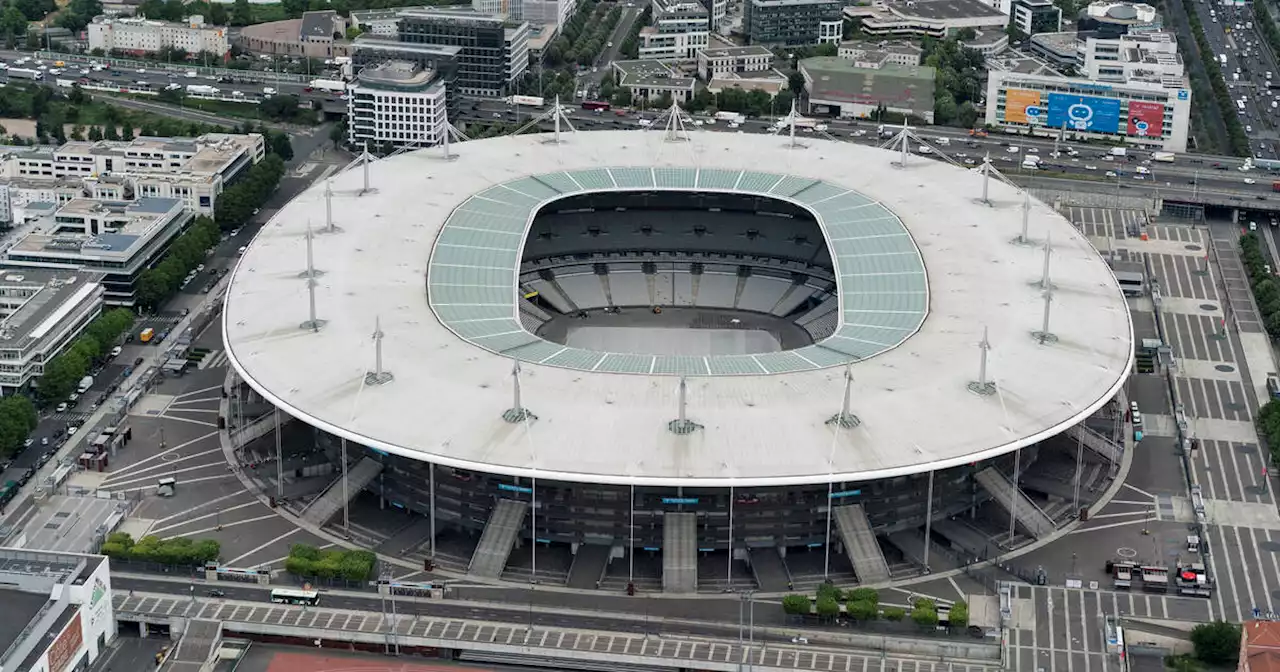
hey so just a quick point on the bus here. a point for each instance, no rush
(286, 596)
(597, 105)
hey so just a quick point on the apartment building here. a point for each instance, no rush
(677, 30)
(119, 240)
(724, 62)
(897, 52)
(397, 103)
(142, 36)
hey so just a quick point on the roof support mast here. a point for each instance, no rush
(845, 418)
(982, 385)
(314, 323)
(682, 424)
(378, 375)
(517, 412)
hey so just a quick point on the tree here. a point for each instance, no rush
(894, 614)
(924, 616)
(796, 605)
(826, 49)
(281, 145)
(959, 617)
(1217, 643)
(241, 13)
(865, 595)
(827, 607)
(861, 610)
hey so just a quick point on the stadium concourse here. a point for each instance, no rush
(632, 362)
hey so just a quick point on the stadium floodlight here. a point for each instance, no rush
(378, 375)
(982, 385)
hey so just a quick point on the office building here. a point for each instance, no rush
(846, 89)
(41, 312)
(194, 171)
(1113, 19)
(792, 22)
(1031, 17)
(120, 240)
(722, 62)
(57, 608)
(1143, 111)
(397, 103)
(677, 30)
(379, 22)
(1146, 57)
(1063, 50)
(925, 18)
(143, 36)
(494, 51)
(320, 34)
(650, 80)
(898, 52)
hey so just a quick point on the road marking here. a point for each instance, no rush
(169, 473)
(186, 481)
(1108, 526)
(194, 422)
(129, 471)
(166, 528)
(200, 506)
(194, 401)
(238, 558)
(1140, 491)
(225, 526)
(161, 454)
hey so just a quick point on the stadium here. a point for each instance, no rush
(657, 361)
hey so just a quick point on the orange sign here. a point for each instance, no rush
(1016, 102)
(63, 652)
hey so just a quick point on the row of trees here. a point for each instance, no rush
(18, 418)
(310, 562)
(175, 551)
(161, 281)
(1266, 293)
(584, 37)
(63, 373)
(241, 200)
(1236, 138)
(863, 604)
(53, 110)
(630, 47)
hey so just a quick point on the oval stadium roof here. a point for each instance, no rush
(401, 259)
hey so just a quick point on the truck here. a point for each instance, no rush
(201, 90)
(85, 384)
(527, 101)
(1031, 162)
(1119, 151)
(64, 83)
(146, 335)
(1163, 157)
(1222, 58)
(25, 73)
(734, 117)
(328, 86)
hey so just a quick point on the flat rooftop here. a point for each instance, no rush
(649, 72)
(735, 52)
(132, 225)
(48, 295)
(602, 417)
(19, 609)
(69, 524)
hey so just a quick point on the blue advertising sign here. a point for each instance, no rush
(1084, 113)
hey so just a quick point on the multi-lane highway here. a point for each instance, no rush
(1249, 68)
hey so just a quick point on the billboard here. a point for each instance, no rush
(1022, 106)
(1146, 120)
(65, 648)
(1084, 113)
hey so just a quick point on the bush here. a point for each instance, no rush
(796, 605)
(861, 610)
(865, 595)
(924, 616)
(894, 614)
(829, 590)
(311, 562)
(827, 607)
(175, 551)
(959, 617)
(1217, 643)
